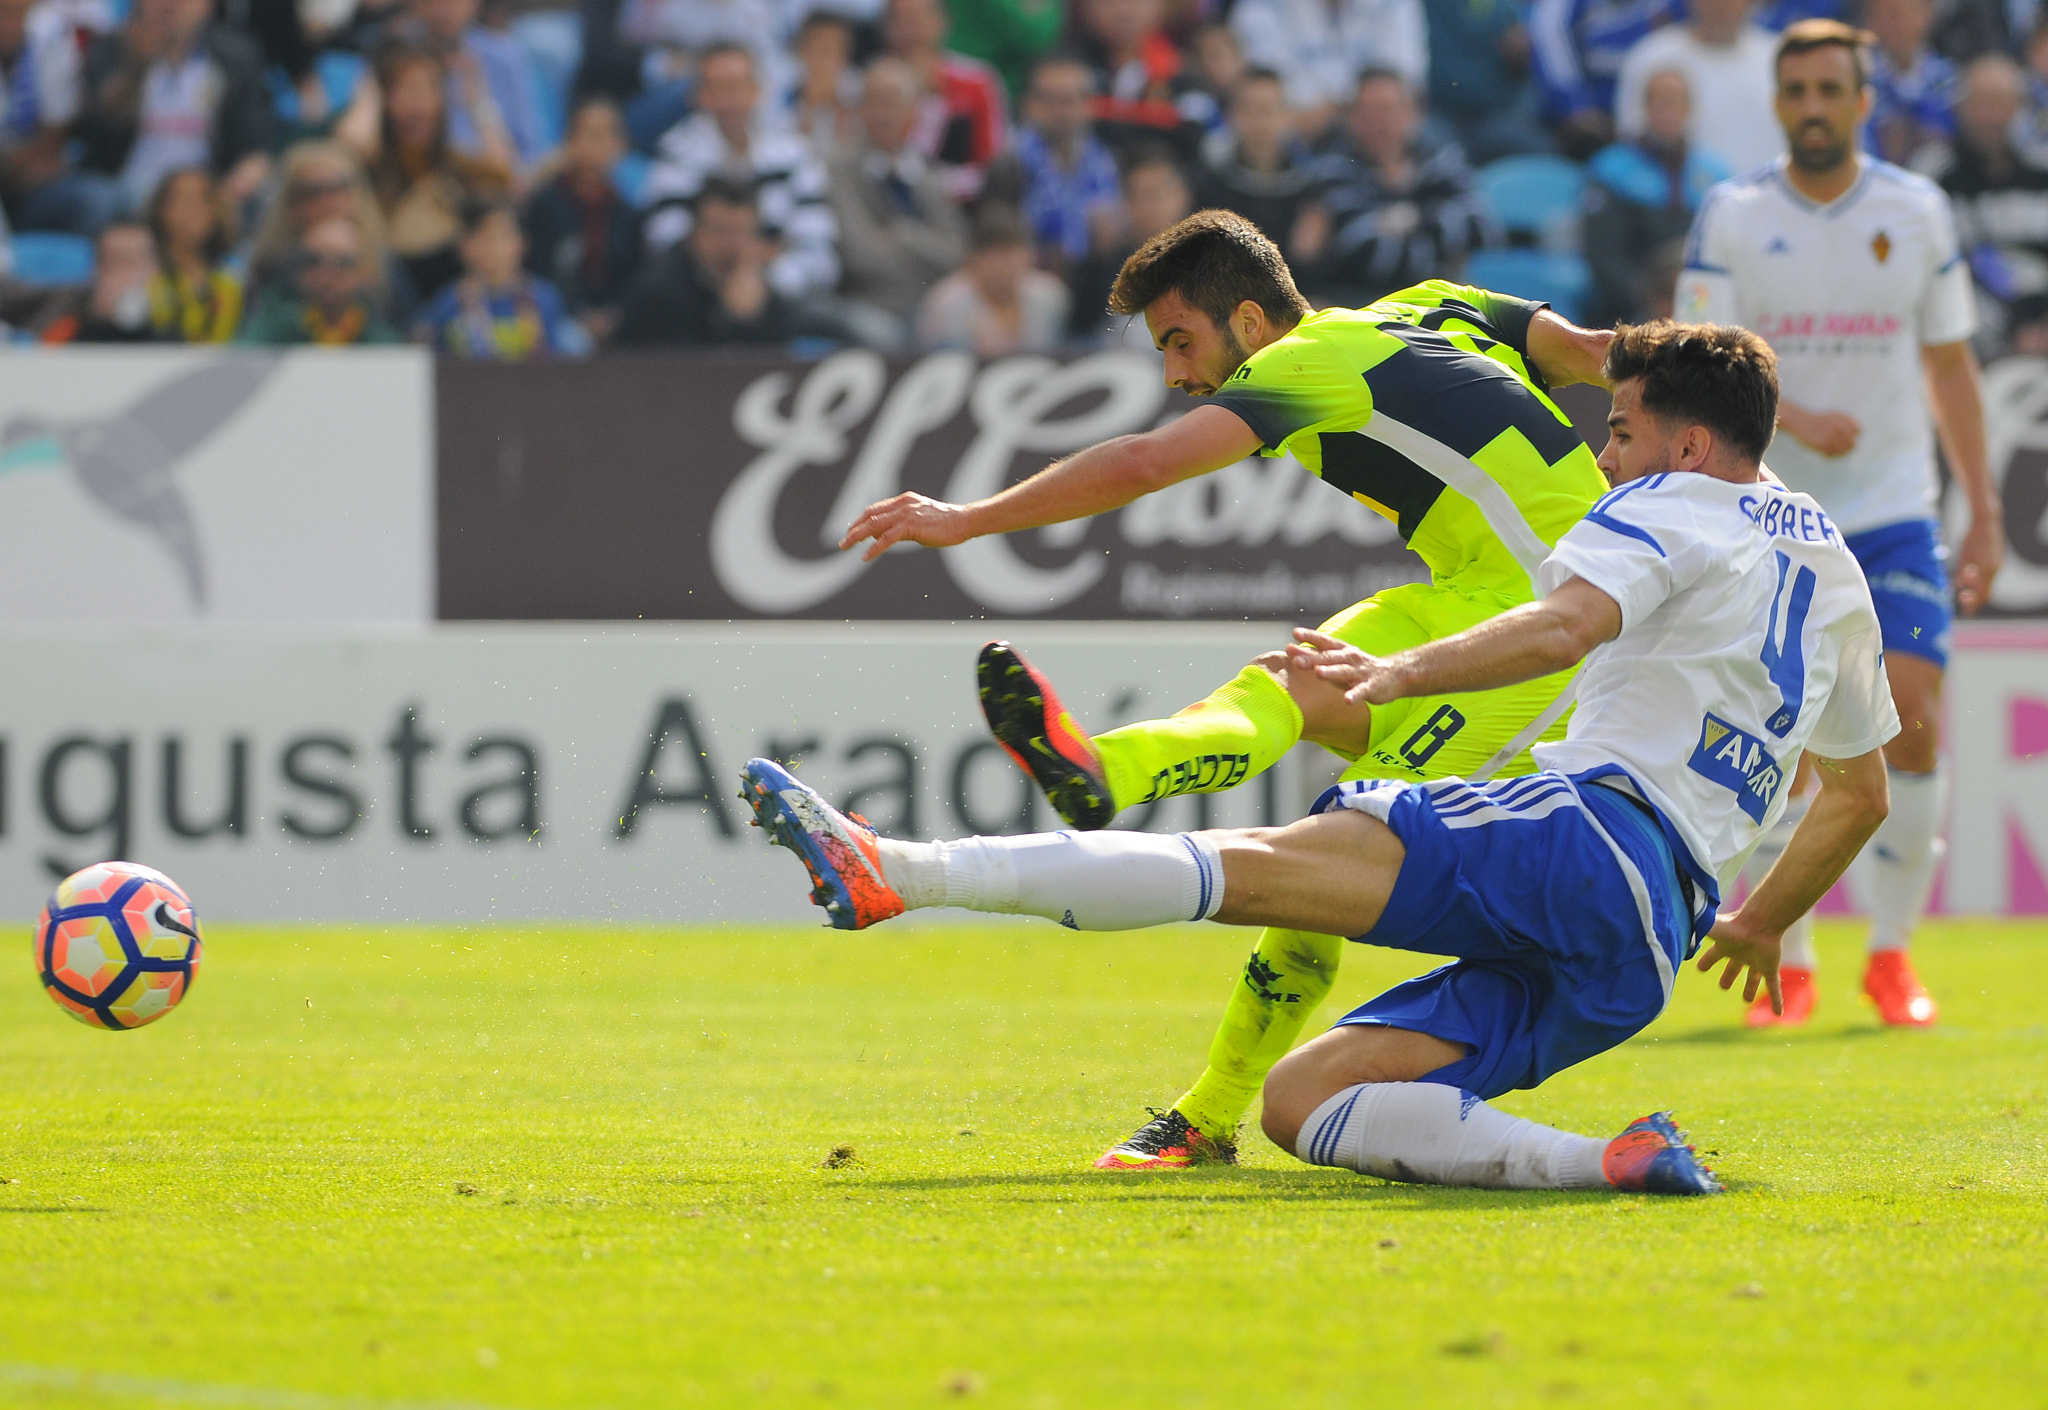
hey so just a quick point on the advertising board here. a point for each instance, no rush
(205, 485)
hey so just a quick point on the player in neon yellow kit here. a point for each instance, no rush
(1431, 408)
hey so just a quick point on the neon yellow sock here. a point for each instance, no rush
(1241, 729)
(1287, 976)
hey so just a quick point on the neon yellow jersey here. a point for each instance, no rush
(1423, 407)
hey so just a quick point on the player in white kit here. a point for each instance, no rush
(1850, 269)
(1724, 628)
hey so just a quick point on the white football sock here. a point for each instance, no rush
(1798, 950)
(1083, 880)
(1899, 860)
(1427, 1134)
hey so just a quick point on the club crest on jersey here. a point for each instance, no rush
(1881, 246)
(1739, 762)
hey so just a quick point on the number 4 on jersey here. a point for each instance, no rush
(1787, 661)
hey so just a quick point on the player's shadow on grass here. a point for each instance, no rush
(1304, 1186)
(53, 1209)
(1722, 1034)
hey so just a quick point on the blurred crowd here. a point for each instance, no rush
(514, 179)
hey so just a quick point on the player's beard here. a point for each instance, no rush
(1238, 354)
(1816, 160)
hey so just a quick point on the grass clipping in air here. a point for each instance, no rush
(615, 1167)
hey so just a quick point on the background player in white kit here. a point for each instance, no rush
(1724, 629)
(1850, 269)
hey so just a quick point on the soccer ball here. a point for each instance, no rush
(117, 945)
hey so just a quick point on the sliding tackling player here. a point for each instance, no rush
(1724, 628)
(1430, 408)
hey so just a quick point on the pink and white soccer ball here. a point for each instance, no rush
(118, 945)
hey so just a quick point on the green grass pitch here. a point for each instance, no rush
(544, 1166)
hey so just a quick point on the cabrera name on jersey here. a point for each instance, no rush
(1846, 294)
(1747, 636)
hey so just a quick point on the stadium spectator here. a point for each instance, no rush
(1395, 207)
(421, 181)
(962, 119)
(1479, 76)
(2032, 130)
(489, 76)
(1068, 176)
(1728, 64)
(1579, 46)
(497, 312)
(114, 308)
(825, 106)
(1914, 87)
(331, 298)
(41, 47)
(2000, 193)
(1142, 87)
(1256, 165)
(321, 181)
(999, 303)
(1216, 62)
(195, 297)
(581, 232)
(1156, 197)
(1321, 46)
(663, 44)
(172, 89)
(2027, 333)
(1640, 199)
(1008, 35)
(712, 286)
(728, 136)
(901, 231)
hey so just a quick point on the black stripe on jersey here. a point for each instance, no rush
(1358, 464)
(1461, 398)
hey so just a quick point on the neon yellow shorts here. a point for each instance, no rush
(1484, 734)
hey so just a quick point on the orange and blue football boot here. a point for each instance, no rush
(839, 851)
(1027, 719)
(1797, 989)
(1167, 1142)
(1902, 1000)
(1652, 1158)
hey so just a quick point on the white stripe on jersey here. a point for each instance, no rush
(1499, 511)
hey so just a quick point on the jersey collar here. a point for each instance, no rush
(1830, 209)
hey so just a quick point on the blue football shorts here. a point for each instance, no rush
(1906, 565)
(1560, 903)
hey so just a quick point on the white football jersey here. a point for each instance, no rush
(1747, 635)
(1846, 294)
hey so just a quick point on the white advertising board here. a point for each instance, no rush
(216, 485)
(562, 772)
(531, 772)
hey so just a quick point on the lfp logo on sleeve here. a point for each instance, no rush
(1738, 761)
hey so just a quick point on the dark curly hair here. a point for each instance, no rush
(1215, 260)
(1703, 374)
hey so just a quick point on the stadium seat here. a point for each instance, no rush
(47, 261)
(1536, 197)
(1560, 278)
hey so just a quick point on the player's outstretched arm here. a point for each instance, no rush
(1854, 797)
(1957, 396)
(1522, 644)
(1100, 478)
